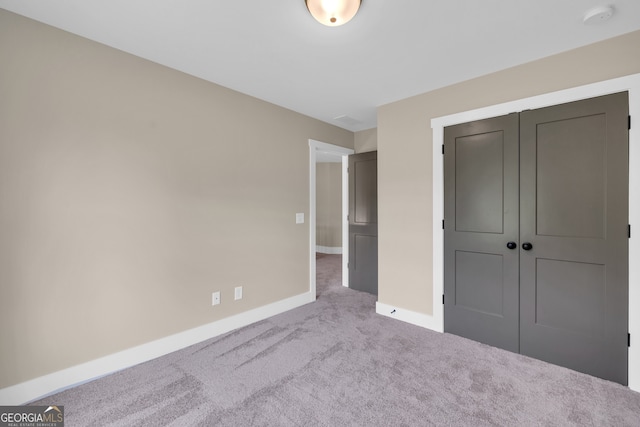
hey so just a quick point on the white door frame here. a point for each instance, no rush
(629, 83)
(314, 148)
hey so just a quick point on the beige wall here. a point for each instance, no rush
(329, 205)
(404, 154)
(365, 140)
(130, 192)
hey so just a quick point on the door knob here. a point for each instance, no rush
(512, 245)
(527, 246)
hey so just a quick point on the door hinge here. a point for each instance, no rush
(442, 299)
(628, 340)
(443, 224)
(629, 230)
(629, 123)
(442, 148)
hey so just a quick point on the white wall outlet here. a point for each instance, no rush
(238, 293)
(215, 298)
(300, 218)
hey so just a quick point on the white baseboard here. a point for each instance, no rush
(418, 319)
(33, 389)
(329, 250)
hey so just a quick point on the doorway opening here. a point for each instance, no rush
(338, 155)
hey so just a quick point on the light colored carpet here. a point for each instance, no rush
(336, 363)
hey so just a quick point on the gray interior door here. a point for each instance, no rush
(481, 218)
(574, 216)
(363, 222)
(567, 302)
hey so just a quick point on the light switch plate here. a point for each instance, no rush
(300, 218)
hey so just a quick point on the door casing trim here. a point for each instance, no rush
(628, 83)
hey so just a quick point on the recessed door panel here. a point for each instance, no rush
(479, 282)
(365, 208)
(570, 172)
(364, 262)
(479, 182)
(571, 296)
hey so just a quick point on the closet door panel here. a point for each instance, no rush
(481, 217)
(574, 207)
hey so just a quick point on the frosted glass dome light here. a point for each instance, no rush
(333, 12)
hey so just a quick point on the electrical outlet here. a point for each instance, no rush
(215, 298)
(238, 293)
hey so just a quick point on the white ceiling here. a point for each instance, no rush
(393, 49)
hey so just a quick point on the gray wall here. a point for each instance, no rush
(366, 140)
(405, 154)
(329, 205)
(130, 192)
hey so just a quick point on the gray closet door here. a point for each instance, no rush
(363, 222)
(561, 293)
(574, 216)
(481, 231)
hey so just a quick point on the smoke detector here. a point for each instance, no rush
(598, 15)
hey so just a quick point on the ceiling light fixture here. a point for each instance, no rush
(333, 12)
